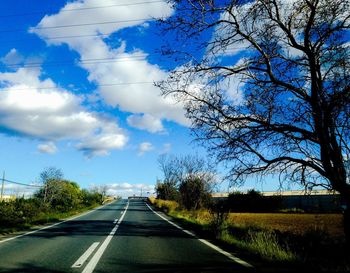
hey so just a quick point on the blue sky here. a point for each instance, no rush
(76, 93)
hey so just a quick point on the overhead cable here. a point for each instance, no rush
(80, 9)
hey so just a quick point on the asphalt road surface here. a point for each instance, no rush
(124, 236)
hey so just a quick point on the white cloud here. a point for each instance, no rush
(92, 21)
(146, 122)
(47, 148)
(38, 108)
(111, 137)
(166, 148)
(129, 67)
(145, 147)
(12, 58)
(126, 189)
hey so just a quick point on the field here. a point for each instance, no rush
(291, 222)
(312, 241)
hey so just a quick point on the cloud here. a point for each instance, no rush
(111, 137)
(146, 122)
(38, 108)
(12, 58)
(47, 148)
(126, 189)
(166, 148)
(140, 97)
(145, 147)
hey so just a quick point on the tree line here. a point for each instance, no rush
(56, 197)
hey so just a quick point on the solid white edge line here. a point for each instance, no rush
(218, 249)
(58, 223)
(95, 259)
(85, 256)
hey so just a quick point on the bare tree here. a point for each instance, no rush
(101, 190)
(190, 178)
(167, 189)
(266, 85)
(51, 178)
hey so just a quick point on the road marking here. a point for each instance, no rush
(56, 224)
(218, 249)
(95, 259)
(85, 256)
(115, 221)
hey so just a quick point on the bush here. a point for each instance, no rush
(253, 201)
(219, 213)
(18, 212)
(166, 205)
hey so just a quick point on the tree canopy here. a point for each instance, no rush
(266, 85)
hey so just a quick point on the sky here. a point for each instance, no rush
(77, 93)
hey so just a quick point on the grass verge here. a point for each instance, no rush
(42, 219)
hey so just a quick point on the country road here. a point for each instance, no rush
(124, 236)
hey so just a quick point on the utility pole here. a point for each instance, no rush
(2, 185)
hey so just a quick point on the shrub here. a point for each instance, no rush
(253, 201)
(166, 205)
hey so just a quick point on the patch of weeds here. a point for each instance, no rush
(264, 244)
(267, 245)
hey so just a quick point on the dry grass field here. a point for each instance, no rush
(315, 241)
(295, 223)
(291, 222)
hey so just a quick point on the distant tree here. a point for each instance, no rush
(90, 197)
(266, 85)
(65, 195)
(61, 195)
(58, 193)
(188, 178)
(49, 178)
(101, 191)
(51, 173)
(167, 189)
(194, 192)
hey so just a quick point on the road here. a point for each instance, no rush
(124, 236)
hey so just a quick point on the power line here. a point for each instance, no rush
(84, 61)
(102, 35)
(22, 184)
(80, 25)
(92, 60)
(79, 9)
(57, 87)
